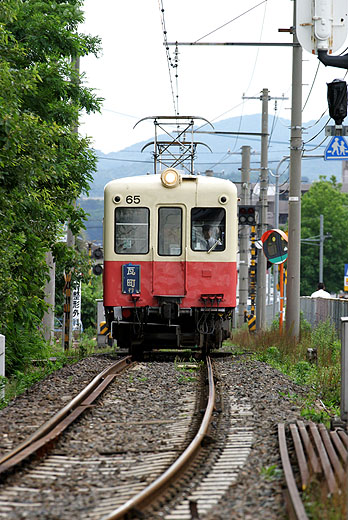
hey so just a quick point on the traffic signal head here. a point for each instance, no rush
(97, 269)
(246, 216)
(97, 253)
(337, 100)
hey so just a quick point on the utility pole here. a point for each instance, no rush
(321, 248)
(48, 319)
(314, 241)
(70, 242)
(262, 262)
(294, 236)
(244, 239)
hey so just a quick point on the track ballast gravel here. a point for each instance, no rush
(258, 490)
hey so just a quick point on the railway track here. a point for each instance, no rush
(121, 473)
(133, 478)
(123, 458)
(52, 429)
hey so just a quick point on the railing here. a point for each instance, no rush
(316, 310)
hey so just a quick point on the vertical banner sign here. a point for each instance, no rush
(67, 314)
(131, 279)
(76, 306)
(346, 277)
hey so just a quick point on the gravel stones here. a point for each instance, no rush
(133, 422)
(272, 397)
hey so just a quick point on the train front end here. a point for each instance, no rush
(170, 245)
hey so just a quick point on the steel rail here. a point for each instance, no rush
(64, 417)
(147, 494)
(294, 495)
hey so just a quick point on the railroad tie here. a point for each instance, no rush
(318, 452)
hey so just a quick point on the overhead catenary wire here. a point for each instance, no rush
(227, 23)
(170, 64)
(253, 71)
(311, 89)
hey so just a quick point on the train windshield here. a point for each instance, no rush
(208, 229)
(169, 231)
(131, 231)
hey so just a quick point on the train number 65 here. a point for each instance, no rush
(130, 199)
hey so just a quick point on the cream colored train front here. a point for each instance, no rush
(170, 244)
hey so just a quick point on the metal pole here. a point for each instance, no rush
(281, 286)
(244, 239)
(293, 282)
(344, 369)
(262, 262)
(276, 226)
(321, 248)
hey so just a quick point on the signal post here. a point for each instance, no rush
(244, 240)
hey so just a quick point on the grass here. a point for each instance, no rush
(53, 360)
(187, 370)
(323, 380)
(289, 356)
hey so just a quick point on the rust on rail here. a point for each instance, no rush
(50, 430)
(319, 453)
(145, 496)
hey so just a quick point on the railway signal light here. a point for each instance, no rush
(247, 216)
(97, 255)
(337, 100)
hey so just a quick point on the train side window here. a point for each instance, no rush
(131, 231)
(208, 229)
(169, 231)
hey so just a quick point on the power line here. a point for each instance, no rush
(310, 91)
(236, 18)
(251, 78)
(169, 60)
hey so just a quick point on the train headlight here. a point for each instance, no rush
(170, 178)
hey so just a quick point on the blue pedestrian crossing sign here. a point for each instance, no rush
(337, 149)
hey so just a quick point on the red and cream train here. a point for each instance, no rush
(170, 245)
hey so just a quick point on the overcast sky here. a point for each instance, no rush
(132, 72)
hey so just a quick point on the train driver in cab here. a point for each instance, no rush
(207, 239)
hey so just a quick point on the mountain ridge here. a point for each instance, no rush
(225, 161)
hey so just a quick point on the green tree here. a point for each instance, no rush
(44, 163)
(324, 198)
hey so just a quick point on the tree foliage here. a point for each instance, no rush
(44, 163)
(324, 198)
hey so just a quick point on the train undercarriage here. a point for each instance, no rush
(140, 329)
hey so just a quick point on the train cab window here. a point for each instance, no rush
(131, 231)
(170, 231)
(208, 229)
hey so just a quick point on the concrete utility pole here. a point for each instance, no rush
(244, 239)
(70, 242)
(294, 257)
(50, 293)
(321, 249)
(262, 261)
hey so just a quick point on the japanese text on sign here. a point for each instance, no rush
(131, 279)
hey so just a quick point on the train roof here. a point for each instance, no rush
(154, 180)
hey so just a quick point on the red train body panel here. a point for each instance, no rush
(186, 279)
